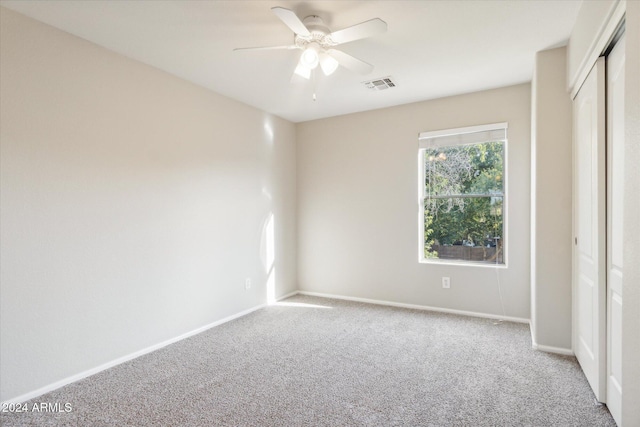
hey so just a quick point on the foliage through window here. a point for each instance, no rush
(462, 194)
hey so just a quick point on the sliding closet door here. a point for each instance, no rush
(589, 275)
(615, 190)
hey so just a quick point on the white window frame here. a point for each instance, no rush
(462, 136)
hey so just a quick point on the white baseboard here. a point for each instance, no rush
(77, 377)
(418, 307)
(290, 294)
(550, 349)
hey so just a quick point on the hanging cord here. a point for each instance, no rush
(504, 314)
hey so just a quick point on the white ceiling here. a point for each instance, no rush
(431, 49)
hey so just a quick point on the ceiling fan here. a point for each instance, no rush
(317, 43)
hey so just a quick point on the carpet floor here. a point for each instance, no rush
(310, 361)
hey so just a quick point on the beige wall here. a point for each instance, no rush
(358, 205)
(132, 205)
(551, 177)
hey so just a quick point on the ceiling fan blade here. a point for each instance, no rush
(359, 31)
(349, 62)
(290, 47)
(291, 20)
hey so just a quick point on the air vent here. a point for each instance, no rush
(380, 84)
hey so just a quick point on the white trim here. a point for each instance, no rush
(460, 263)
(134, 355)
(550, 349)
(532, 330)
(598, 46)
(89, 372)
(425, 140)
(464, 136)
(458, 131)
(421, 178)
(417, 307)
(289, 295)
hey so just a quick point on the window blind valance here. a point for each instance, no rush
(463, 136)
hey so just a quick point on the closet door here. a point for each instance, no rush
(589, 275)
(615, 190)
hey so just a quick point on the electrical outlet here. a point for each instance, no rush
(247, 284)
(446, 282)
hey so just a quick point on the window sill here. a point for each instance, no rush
(456, 263)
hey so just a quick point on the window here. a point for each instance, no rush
(462, 195)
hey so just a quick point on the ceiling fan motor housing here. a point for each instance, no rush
(319, 33)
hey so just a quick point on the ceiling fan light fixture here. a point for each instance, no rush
(310, 56)
(303, 71)
(328, 64)
(317, 42)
